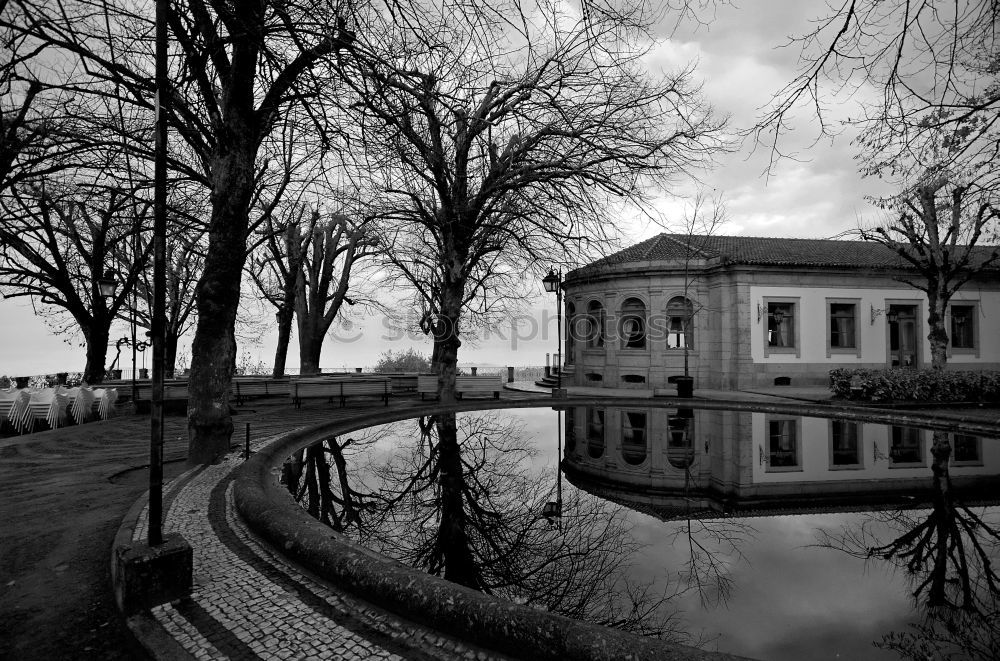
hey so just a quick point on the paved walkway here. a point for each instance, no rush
(64, 492)
(249, 603)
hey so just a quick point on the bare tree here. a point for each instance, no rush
(307, 268)
(35, 132)
(937, 223)
(702, 218)
(915, 67)
(59, 238)
(502, 145)
(237, 68)
(184, 260)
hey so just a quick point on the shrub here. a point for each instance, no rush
(915, 385)
(411, 361)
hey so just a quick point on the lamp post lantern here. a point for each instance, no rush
(553, 283)
(106, 285)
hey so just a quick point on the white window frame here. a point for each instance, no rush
(796, 303)
(843, 351)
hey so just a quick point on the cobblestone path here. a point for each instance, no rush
(250, 603)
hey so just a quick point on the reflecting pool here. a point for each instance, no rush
(763, 534)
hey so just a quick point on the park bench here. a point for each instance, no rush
(247, 388)
(403, 382)
(341, 388)
(175, 396)
(464, 385)
(473, 385)
(427, 384)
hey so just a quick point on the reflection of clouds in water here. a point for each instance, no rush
(790, 599)
(806, 593)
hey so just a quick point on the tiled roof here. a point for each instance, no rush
(761, 251)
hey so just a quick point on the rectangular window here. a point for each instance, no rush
(845, 444)
(907, 447)
(781, 324)
(843, 334)
(965, 450)
(963, 322)
(782, 445)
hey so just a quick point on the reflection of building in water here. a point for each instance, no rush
(676, 461)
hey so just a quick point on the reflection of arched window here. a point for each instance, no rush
(633, 324)
(595, 432)
(633, 437)
(595, 338)
(680, 323)
(570, 332)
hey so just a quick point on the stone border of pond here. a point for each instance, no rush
(268, 510)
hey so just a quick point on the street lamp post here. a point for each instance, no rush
(553, 283)
(146, 575)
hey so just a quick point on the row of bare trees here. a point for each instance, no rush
(468, 141)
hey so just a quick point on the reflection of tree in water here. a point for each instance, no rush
(714, 541)
(319, 479)
(462, 502)
(948, 552)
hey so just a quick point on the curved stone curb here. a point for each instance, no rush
(497, 624)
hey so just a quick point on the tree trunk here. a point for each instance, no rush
(937, 335)
(446, 340)
(97, 336)
(291, 472)
(310, 348)
(285, 315)
(453, 539)
(169, 353)
(213, 352)
(943, 510)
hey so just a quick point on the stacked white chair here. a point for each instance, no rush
(14, 406)
(81, 403)
(49, 404)
(104, 400)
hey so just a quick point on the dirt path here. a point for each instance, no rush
(62, 498)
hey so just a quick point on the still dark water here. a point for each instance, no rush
(740, 532)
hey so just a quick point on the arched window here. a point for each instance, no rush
(595, 338)
(595, 432)
(633, 324)
(680, 323)
(633, 437)
(570, 333)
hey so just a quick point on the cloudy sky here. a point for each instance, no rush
(740, 59)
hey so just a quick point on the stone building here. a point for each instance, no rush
(751, 311)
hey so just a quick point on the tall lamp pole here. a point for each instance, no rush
(146, 575)
(155, 537)
(553, 283)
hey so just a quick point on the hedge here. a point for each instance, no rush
(926, 385)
